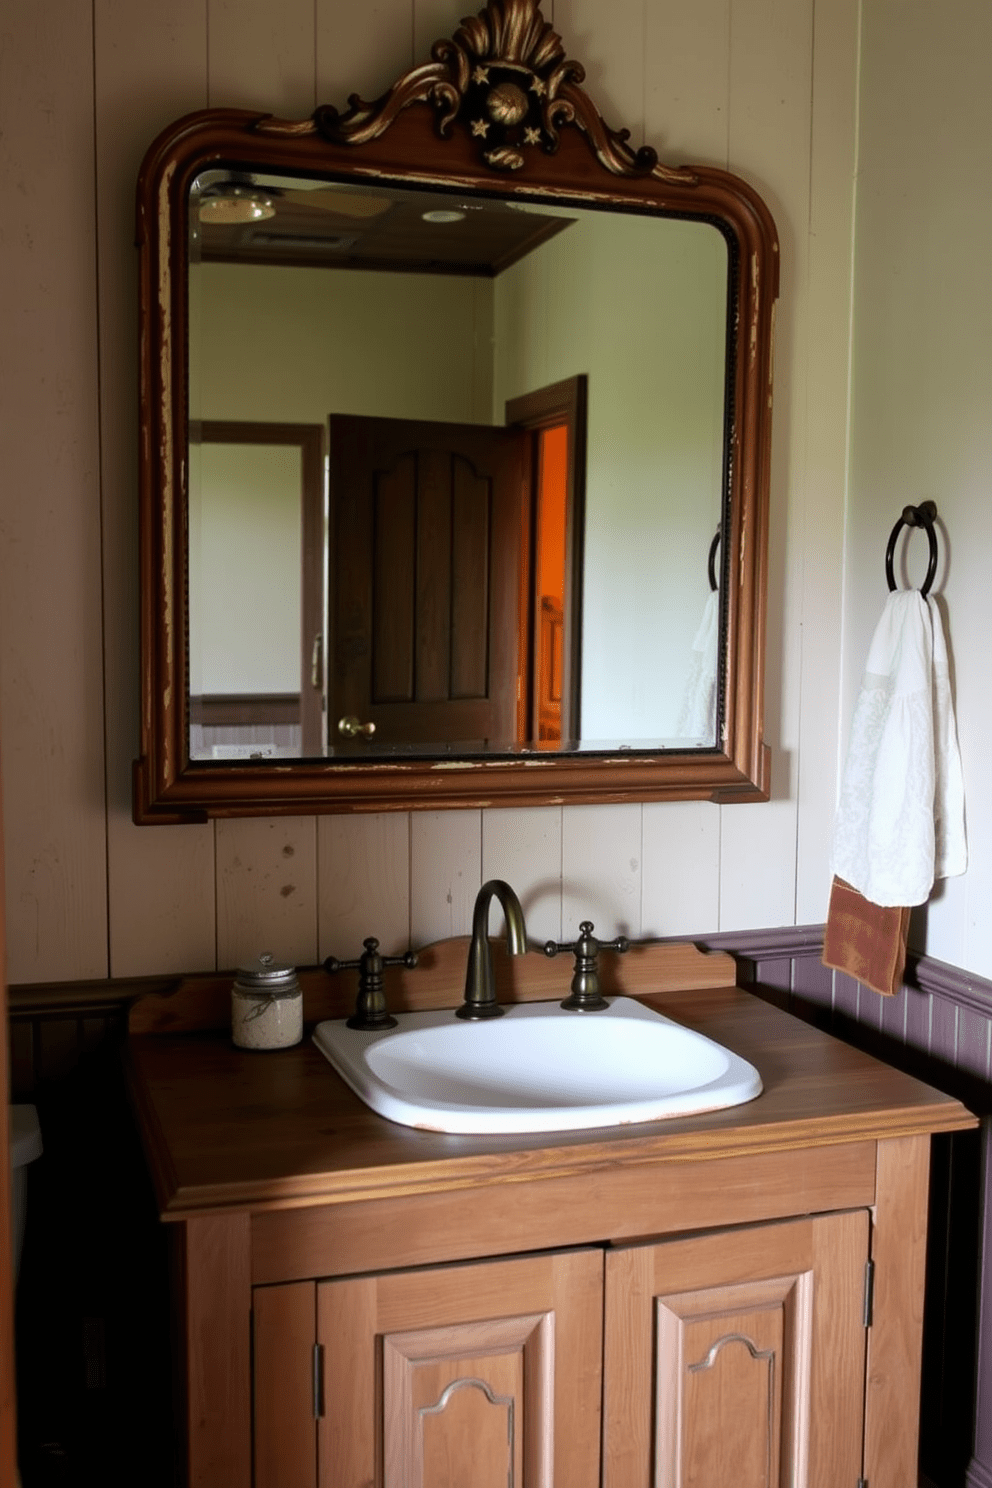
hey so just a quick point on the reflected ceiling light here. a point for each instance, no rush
(443, 214)
(226, 204)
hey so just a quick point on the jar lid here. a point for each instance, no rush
(266, 974)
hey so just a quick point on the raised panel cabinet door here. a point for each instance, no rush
(738, 1358)
(285, 1385)
(483, 1374)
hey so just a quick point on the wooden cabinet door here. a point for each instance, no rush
(285, 1385)
(738, 1358)
(486, 1375)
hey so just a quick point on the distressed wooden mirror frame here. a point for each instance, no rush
(421, 133)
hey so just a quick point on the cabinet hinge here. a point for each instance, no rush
(868, 1303)
(318, 1381)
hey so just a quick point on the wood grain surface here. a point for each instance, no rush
(230, 1128)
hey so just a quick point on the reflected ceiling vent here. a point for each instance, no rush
(341, 243)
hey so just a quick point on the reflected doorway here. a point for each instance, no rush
(454, 588)
(551, 609)
(256, 577)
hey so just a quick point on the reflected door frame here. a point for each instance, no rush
(309, 438)
(560, 403)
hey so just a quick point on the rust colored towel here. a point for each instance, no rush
(867, 941)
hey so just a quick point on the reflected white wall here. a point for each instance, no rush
(651, 338)
(245, 628)
(293, 345)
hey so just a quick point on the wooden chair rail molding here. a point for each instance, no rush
(53, 1025)
(204, 1003)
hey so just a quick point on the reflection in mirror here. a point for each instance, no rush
(413, 593)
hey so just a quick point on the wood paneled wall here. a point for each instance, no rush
(766, 87)
(922, 381)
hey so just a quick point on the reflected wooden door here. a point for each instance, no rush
(425, 580)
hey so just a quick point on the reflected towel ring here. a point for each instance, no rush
(711, 561)
(915, 516)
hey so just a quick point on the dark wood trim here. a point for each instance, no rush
(244, 709)
(767, 945)
(403, 140)
(964, 989)
(309, 439)
(50, 999)
(923, 973)
(254, 431)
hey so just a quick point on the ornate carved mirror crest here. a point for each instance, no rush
(505, 77)
(443, 400)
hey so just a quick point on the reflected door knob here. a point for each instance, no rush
(352, 728)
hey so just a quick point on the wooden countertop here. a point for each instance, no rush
(226, 1128)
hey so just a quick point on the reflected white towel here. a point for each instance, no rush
(900, 821)
(697, 715)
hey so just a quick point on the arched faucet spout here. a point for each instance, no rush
(480, 988)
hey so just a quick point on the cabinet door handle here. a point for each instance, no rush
(318, 1381)
(317, 661)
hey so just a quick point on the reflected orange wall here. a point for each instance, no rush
(550, 576)
(551, 513)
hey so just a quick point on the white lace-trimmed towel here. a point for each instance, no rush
(900, 821)
(697, 714)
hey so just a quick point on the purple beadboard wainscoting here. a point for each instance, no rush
(939, 1028)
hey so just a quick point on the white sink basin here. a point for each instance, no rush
(537, 1069)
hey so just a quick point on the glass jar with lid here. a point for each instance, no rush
(266, 1005)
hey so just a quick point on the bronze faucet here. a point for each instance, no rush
(480, 989)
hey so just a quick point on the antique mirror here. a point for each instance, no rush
(455, 419)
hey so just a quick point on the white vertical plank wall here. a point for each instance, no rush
(923, 382)
(364, 875)
(262, 56)
(51, 664)
(732, 84)
(770, 104)
(525, 849)
(825, 416)
(149, 65)
(445, 872)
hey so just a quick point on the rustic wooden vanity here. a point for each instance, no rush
(731, 1297)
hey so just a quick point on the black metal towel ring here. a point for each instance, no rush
(915, 516)
(711, 561)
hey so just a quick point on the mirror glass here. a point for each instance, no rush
(458, 473)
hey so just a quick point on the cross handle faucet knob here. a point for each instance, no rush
(585, 995)
(370, 1012)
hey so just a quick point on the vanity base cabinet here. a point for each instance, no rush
(683, 1303)
(738, 1357)
(485, 1374)
(728, 1357)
